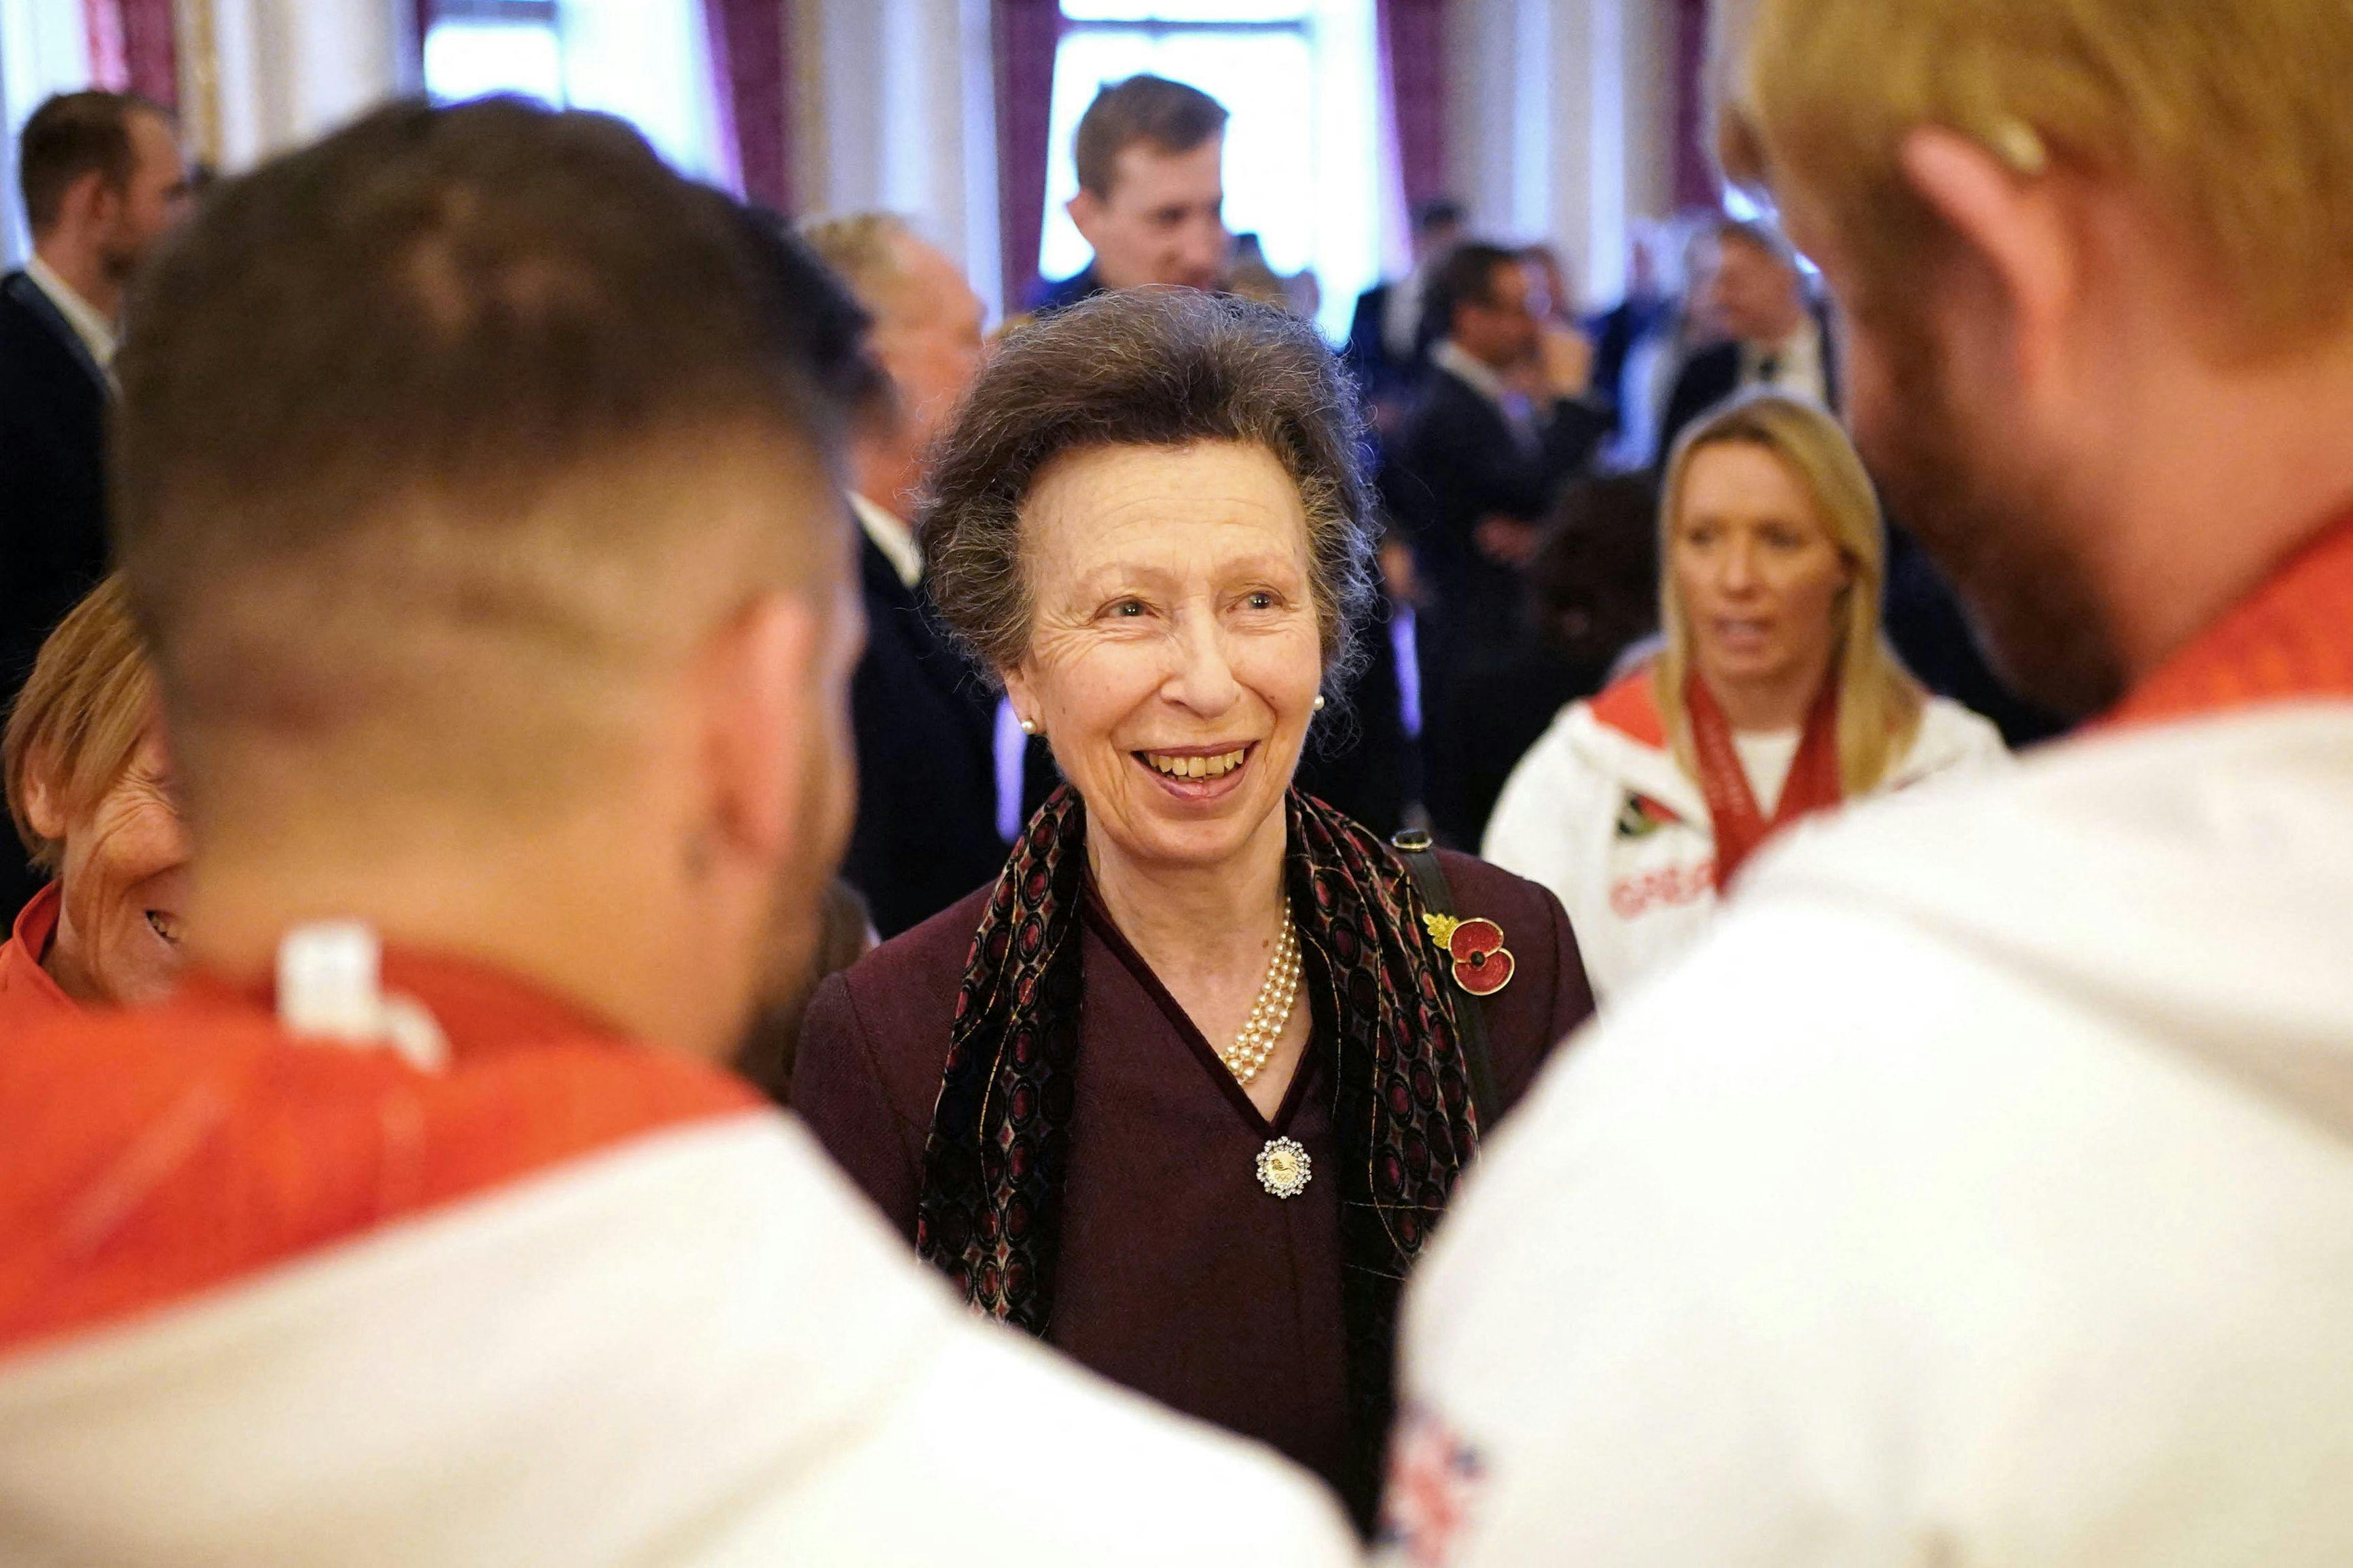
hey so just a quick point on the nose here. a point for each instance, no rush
(1204, 248)
(1202, 680)
(1736, 567)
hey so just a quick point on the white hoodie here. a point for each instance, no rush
(1608, 819)
(699, 1347)
(1979, 1191)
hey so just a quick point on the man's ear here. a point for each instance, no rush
(2018, 227)
(762, 722)
(1086, 210)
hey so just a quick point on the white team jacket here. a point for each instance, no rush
(701, 1347)
(1606, 818)
(1979, 1191)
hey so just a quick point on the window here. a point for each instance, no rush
(648, 61)
(1302, 165)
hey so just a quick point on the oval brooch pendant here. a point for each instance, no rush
(1283, 1167)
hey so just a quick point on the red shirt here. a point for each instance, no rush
(27, 994)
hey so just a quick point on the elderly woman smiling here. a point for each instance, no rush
(89, 788)
(1184, 1091)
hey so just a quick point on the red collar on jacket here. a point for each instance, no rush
(28, 994)
(154, 1154)
(1630, 707)
(2292, 637)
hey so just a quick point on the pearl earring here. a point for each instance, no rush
(1319, 702)
(1028, 726)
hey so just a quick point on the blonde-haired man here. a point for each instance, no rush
(476, 489)
(1983, 1190)
(928, 829)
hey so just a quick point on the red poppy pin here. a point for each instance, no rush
(1482, 964)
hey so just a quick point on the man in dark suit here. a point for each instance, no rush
(1751, 288)
(1386, 346)
(1498, 428)
(103, 181)
(928, 830)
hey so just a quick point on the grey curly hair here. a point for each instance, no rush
(1146, 367)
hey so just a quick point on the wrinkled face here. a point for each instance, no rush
(1503, 328)
(1163, 221)
(1756, 569)
(1752, 294)
(1174, 654)
(1981, 493)
(927, 334)
(152, 203)
(125, 886)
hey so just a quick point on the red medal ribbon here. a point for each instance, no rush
(1814, 783)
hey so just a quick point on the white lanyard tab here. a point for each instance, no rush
(330, 987)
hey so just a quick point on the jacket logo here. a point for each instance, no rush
(1640, 816)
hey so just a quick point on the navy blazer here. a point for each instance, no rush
(1713, 374)
(925, 833)
(52, 473)
(53, 400)
(1456, 462)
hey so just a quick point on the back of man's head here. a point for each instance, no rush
(70, 137)
(443, 444)
(1166, 116)
(2226, 117)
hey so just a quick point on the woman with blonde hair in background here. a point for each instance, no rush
(1776, 696)
(89, 789)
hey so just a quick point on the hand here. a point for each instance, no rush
(1568, 360)
(1507, 541)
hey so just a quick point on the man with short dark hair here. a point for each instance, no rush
(1751, 292)
(1495, 432)
(102, 182)
(478, 491)
(1386, 346)
(1152, 190)
(928, 830)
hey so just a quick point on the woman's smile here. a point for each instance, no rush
(1196, 774)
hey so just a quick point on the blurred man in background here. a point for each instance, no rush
(1386, 347)
(103, 181)
(926, 830)
(1751, 290)
(1496, 431)
(1152, 190)
(1983, 1190)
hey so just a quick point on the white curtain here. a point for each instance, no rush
(44, 50)
(649, 61)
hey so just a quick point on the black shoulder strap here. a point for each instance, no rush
(1414, 847)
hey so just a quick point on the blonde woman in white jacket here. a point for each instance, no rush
(1774, 697)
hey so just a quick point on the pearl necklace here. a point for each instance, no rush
(1270, 1014)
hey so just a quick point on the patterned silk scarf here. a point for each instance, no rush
(1000, 1140)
